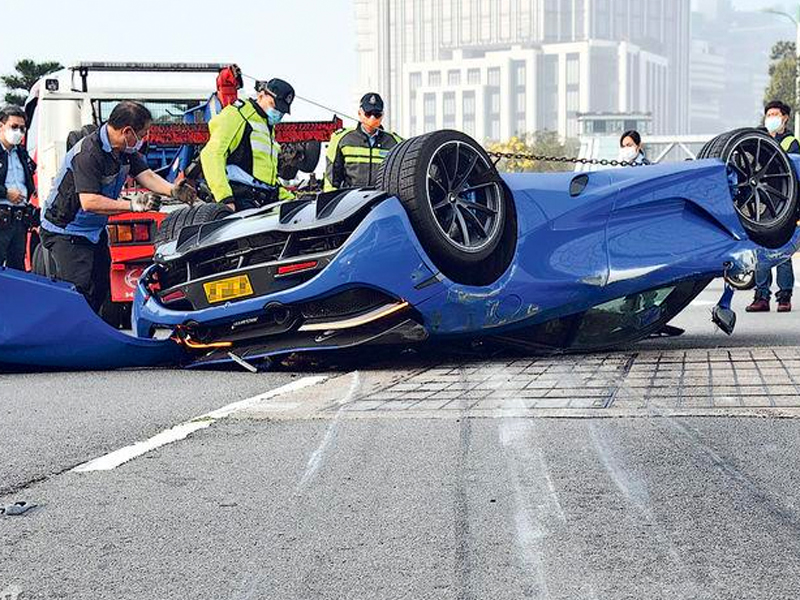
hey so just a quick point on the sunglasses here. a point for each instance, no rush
(374, 113)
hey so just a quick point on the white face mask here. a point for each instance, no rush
(14, 136)
(628, 153)
(773, 124)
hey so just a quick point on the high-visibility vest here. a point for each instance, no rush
(787, 142)
(352, 161)
(240, 135)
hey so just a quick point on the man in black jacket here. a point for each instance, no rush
(354, 155)
(16, 188)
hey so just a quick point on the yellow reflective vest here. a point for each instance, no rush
(787, 141)
(352, 161)
(240, 135)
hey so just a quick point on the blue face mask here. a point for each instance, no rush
(136, 147)
(274, 116)
(773, 124)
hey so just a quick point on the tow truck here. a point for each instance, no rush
(67, 104)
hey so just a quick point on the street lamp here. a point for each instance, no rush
(796, 22)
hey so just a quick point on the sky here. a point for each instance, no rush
(310, 43)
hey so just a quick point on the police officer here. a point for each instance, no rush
(16, 188)
(240, 160)
(86, 192)
(355, 154)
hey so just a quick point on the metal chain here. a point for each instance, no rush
(561, 159)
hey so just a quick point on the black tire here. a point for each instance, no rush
(75, 136)
(764, 184)
(202, 213)
(462, 212)
(311, 153)
(116, 314)
(299, 157)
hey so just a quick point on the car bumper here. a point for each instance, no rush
(382, 253)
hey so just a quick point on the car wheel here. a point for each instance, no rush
(460, 208)
(763, 184)
(75, 136)
(299, 157)
(202, 213)
(741, 281)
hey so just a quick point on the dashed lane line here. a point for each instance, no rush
(179, 432)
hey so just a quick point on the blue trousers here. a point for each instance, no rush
(785, 276)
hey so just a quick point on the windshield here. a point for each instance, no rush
(164, 111)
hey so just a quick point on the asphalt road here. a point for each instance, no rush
(294, 497)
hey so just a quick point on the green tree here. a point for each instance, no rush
(782, 74)
(540, 143)
(27, 72)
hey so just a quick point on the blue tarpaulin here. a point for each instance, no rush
(48, 324)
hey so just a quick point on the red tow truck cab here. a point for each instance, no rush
(130, 236)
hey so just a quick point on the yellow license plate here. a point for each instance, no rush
(228, 289)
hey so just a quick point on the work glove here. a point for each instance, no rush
(184, 192)
(146, 203)
(229, 203)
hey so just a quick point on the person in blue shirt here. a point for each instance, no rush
(86, 192)
(16, 188)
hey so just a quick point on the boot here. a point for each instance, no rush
(758, 305)
(784, 303)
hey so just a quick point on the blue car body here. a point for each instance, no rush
(625, 232)
(47, 324)
(598, 259)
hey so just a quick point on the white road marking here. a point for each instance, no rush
(228, 410)
(703, 303)
(114, 459)
(317, 457)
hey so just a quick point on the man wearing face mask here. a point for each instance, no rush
(86, 192)
(16, 188)
(240, 160)
(776, 120)
(355, 154)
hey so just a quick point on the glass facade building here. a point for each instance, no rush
(513, 66)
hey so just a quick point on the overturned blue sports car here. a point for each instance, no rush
(448, 249)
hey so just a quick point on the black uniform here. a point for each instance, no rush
(15, 219)
(353, 157)
(76, 238)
